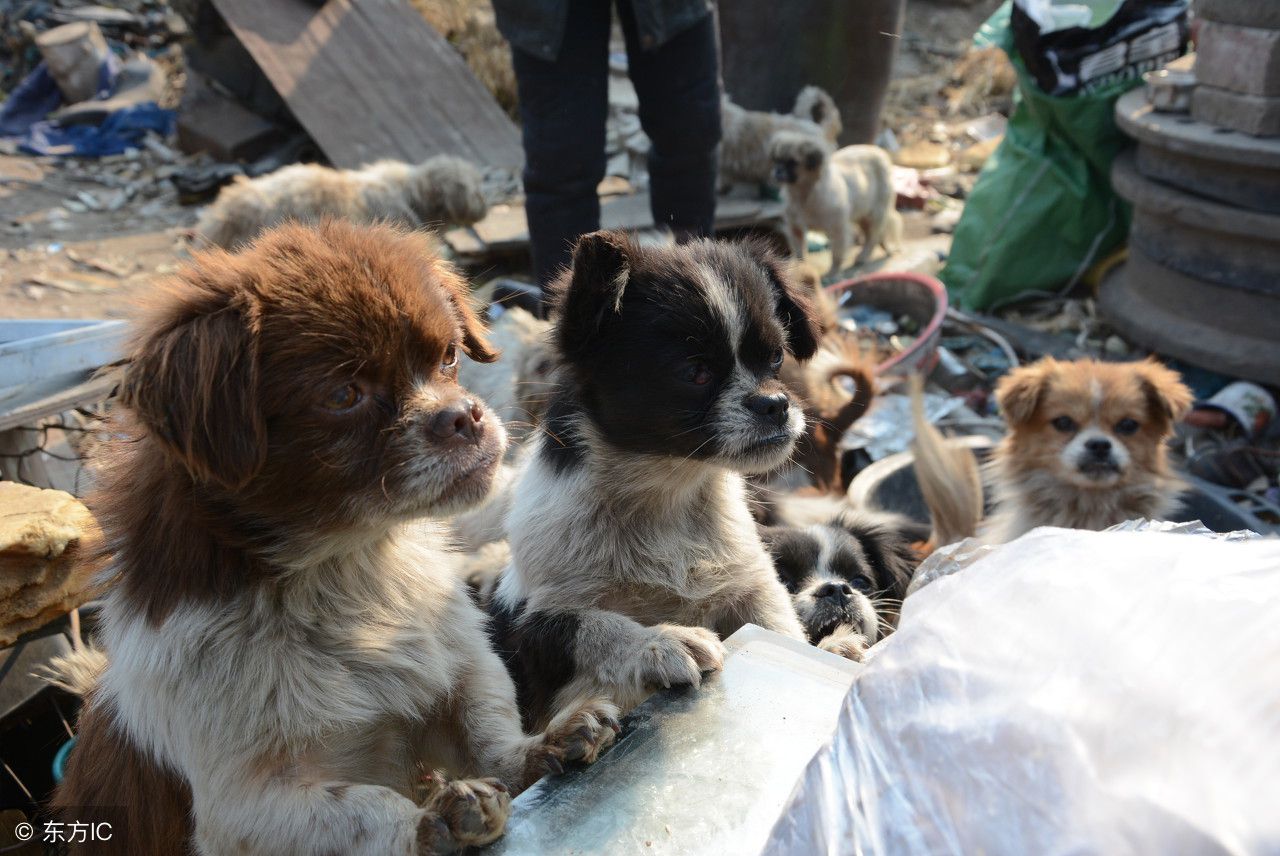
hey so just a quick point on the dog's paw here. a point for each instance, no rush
(846, 642)
(580, 732)
(473, 812)
(676, 655)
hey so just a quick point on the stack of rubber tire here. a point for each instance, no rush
(1202, 281)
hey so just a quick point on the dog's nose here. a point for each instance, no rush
(1099, 447)
(459, 422)
(771, 407)
(839, 592)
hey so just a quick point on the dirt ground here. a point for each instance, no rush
(83, 239)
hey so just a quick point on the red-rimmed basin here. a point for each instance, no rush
(916, 295)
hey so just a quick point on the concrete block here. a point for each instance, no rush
(1239, 59)
(1242, 13)
(1257, 115)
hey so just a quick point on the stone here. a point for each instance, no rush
(1257, 115)
(43, 534)
(1245, 60)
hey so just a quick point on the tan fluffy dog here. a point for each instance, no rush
(835, 191)
(1085, 450)
(745, 134)
(440, 191)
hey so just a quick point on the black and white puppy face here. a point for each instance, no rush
(675, 350)
(854, 570)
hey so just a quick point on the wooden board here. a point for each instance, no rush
(371, 79)
(505, 230)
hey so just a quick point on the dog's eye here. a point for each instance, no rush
(696, 373)
(1065, 424)
(450, 358)
(860, 583)
(775, 361)
(1127, 426)
(343, 397)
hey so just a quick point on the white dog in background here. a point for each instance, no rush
(832, 192)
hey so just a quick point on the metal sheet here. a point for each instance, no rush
(695, 771)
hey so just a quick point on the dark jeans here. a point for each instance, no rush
(564, 104)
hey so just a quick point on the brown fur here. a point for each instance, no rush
(109, 781)
(1034, 471)
(288, 412)
(196, 391)
(441, 191)
(829, 410)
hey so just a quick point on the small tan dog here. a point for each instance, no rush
(440, 191)
(745, 134)
(1085, 450)
(835, 191)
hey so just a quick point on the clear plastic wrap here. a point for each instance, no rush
(1070, 692)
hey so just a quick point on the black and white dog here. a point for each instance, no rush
(847, 577)
(633, 548)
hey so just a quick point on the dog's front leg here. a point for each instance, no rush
(796, 235)
(293, 810)
(615, 655)
(845, 641)
(766, 603)
(485, 702)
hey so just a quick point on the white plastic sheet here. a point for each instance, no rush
(1067, 693)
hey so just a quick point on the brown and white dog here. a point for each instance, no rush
(633, 547)
(1085, 450)
(441, 191)
(288, 647)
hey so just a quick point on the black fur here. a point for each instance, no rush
(562, 443)
(872, 553)
(632, 322)
(537, 650)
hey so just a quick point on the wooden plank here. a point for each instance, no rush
(505, 229)
(371, 79)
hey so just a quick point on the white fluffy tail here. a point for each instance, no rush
(77, 672)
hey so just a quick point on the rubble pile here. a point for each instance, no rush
(150, 26)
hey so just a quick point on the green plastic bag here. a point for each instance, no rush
(1043, 211)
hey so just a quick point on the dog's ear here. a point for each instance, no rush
(1168, 398)
(791, 301)
(193, 383)
(1018, 393)
(474, 341)
(591, 289)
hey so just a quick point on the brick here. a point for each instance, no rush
(1240, 59)
(1243, 13)
(209, 121)
(1257, 115)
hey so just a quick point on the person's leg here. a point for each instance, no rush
(563, 105)
(678, 85)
